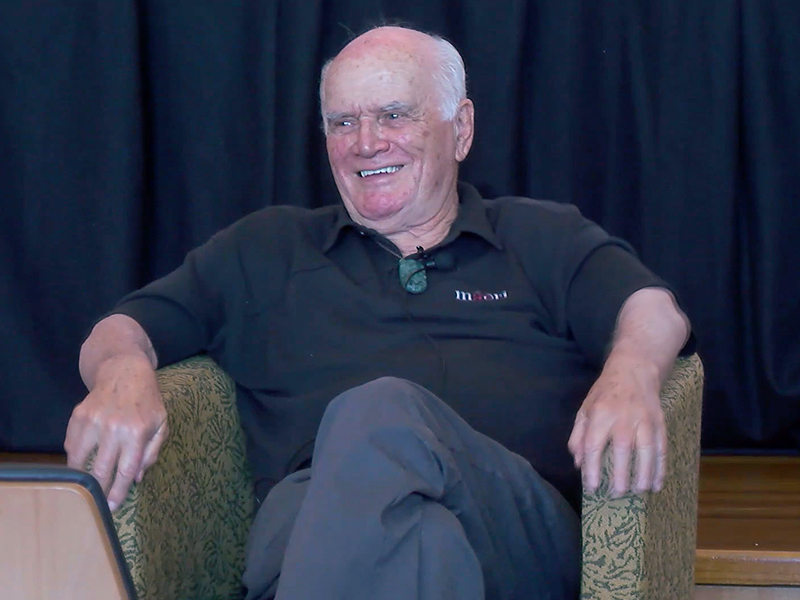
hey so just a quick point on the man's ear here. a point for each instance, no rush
(465, 128)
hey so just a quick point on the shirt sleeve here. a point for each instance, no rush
(606, 278)
(183, 313)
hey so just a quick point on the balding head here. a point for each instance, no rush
(439, 57)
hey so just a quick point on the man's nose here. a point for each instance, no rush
(370, 138)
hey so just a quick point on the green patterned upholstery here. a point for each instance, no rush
(183, 529)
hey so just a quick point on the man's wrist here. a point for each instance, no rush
(628, 362)
(128, 364)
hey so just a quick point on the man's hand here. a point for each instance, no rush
(123, 416)
(125, 419)
(622, 409)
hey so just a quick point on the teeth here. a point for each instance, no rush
(379, 171)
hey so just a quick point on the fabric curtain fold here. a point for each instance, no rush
(131, 131)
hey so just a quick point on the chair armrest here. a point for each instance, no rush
(643, 547)
(184, 528)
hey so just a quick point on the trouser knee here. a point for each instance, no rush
(386, 430)
(383, 400)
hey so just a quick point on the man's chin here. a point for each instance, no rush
(376, 210)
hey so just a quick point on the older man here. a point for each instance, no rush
(409, 366)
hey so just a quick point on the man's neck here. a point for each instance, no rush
(425, 235)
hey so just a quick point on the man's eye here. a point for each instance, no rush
(392, 116)
(341, 124)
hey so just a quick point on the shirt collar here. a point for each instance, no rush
(471, 218)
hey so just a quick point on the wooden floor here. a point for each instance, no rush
(748, 529)
(31, 457)
(720, 592)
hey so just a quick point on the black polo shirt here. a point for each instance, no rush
(299, 305)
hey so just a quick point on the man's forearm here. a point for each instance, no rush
(114, 336)
(623, 407)
(651, 330)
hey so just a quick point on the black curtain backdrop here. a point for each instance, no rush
(130, 131)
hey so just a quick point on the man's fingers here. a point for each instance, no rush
(71, 439)
(621, 448)
(591, 470)
(651, 456)
(128, 467)
(152, 449)
(105, 462)
(660, 460)
(645, 459)
(594, 443)
(575, 443)
(79, 442)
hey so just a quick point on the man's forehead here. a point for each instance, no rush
(389, 42)
(382, 66)
(375, 84)
(382, 53)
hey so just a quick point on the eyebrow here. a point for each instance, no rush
(391, 106)
(401, 106)
(336, 115)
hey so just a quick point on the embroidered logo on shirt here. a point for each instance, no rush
(479, 296)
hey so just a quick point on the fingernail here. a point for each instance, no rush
(112, 505)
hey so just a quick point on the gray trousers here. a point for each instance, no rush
(404, 500)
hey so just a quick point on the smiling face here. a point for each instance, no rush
(394, 158)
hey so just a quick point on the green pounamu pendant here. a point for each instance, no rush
(412, 275)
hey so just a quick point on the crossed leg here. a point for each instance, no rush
(405, 500)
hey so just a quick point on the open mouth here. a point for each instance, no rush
(382, 171)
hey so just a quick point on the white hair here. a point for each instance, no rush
(450, 78)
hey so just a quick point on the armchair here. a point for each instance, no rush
(183, 529)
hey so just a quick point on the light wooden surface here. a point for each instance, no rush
(749, 521)
(53, 545)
